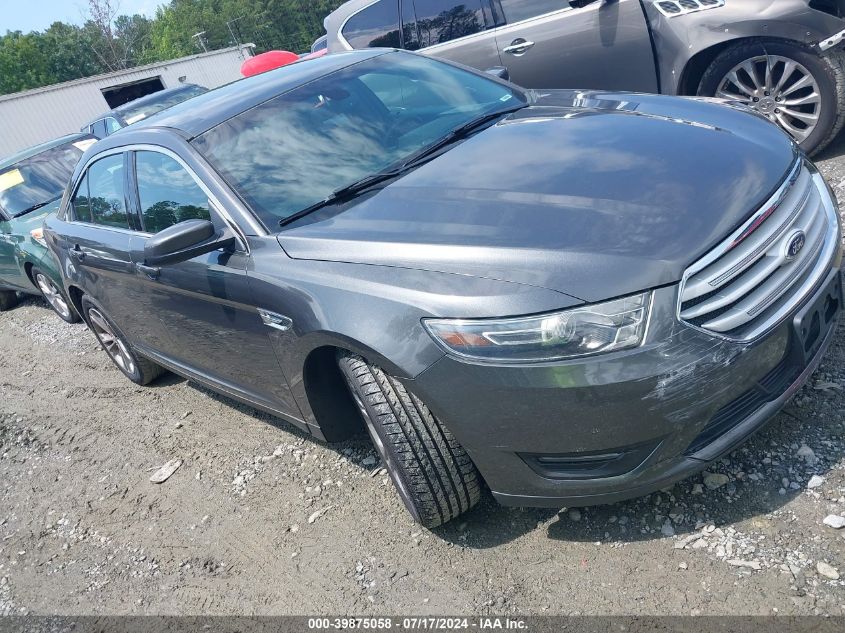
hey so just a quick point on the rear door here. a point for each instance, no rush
(553, 44)
(98, 237)
(460, 30)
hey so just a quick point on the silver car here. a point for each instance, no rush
(782, 57)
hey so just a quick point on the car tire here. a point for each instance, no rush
(8, 300)
(54, 296)
(827, 73)
(136, 368)
(433, 474)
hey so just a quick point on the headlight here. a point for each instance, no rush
(38, 236)
(594, 329)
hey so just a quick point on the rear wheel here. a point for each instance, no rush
(433, 474)
(8, 299)
(791, 85)
(54, 296)
(139, 370)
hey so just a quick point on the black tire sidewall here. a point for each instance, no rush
(74, 317)
(820, 70)
(137, 377)
(388, 454)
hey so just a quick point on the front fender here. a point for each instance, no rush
(677, 40)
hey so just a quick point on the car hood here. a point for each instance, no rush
(594, 195)
(24, 224)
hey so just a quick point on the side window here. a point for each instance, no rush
(106, 192)
(375, 26)
(112, 126)
(518, 10)
(441, 21)
(167, 192)
(98, 129)
(81, 202)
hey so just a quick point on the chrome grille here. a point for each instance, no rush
(760, 273)
(673, 8)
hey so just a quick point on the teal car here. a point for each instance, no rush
(32, 183)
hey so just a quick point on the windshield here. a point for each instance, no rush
(295, 150)
(132, 115)
(38, 180)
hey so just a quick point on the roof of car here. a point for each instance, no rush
(154, 97)
(205, 111)
(38, 149)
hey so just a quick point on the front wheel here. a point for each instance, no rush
(55, 296)
(791, 85)
(433, 474)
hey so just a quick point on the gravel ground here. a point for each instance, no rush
(261, 519)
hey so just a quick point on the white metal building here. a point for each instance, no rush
(35, 116)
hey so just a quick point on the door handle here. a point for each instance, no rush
(151, 272)
(519, 47)
(77, 254)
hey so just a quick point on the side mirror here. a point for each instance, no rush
(499, 71)
(184, 241)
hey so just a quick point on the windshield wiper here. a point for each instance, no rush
(458, 133)
(414, 160)
(348, 191)
(34, 207)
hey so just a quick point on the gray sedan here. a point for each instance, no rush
(548, 293)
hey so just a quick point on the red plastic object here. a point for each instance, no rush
(267, 61)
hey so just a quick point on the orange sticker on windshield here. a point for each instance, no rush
(10, 179)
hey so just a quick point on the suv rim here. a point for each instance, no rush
(780, 89)
(52, 295)
(111, 343)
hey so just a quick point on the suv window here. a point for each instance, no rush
(518, 10)
(98, 129)
(167, 192)
(375, 26)
(112, 125)
(100, 198)
(441, 21)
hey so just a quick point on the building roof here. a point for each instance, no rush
(29, 152)
(203, 112)
(119, 73)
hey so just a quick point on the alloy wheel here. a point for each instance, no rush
(114, 347)
(780, 89)
(53, 295)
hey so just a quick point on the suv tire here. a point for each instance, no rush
(54, 296)
(827, 71)
(433, 474)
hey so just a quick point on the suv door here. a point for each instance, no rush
(559, 44)
(204, 304)
(460, 30)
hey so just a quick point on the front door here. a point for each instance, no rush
(203, 307)
(552, 44)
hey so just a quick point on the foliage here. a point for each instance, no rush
(108, 41)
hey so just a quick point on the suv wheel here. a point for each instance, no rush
(8, 299)
(54, 296)
(138, 369)
(433, 474)
(791, 85)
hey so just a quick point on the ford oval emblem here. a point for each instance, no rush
(795, 245)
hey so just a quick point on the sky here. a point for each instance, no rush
(37, 15)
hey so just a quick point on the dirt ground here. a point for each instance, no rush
(261, 519)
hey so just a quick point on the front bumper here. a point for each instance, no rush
(619, 426)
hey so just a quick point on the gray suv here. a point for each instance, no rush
(782, 58)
